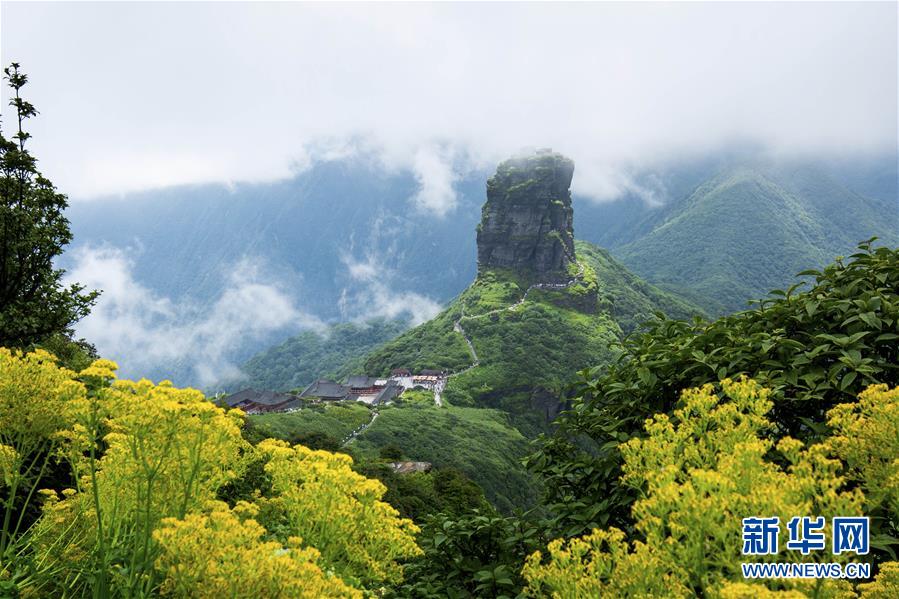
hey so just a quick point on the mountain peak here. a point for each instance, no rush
(526, 223)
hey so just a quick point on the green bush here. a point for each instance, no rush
(474, 555)
(814, 349)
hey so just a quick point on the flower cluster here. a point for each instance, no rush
(9, 464)
(337, 511)
(141, 452)
(220, 553)
(34, 392)
(148, 462)
(866, 437)
(699, 472)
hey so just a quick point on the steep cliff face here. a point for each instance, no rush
(526, 224)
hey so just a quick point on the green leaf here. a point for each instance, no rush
(870, 319)
(848, 379)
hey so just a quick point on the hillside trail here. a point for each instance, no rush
(457, 324)
(438, 390)
(349, 438)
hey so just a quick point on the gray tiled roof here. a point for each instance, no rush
(360, 381)
(388, 393)
(265, 398)
(326, 390)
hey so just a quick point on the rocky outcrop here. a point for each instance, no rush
(526, 224)
(410, 467)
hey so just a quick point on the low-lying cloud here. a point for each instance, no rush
(373, 295)
(148, 333)
(435, 175)
(252, 91)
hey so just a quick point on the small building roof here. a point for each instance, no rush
(360, 381)
(387, 393)
(325, 389)
(264, 398)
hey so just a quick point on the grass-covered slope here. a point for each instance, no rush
(528, 350)
(336, 420)
(626, 297)
(301, 359)
(481, 443)
(748, 230)
(535, 344)
(528, 343)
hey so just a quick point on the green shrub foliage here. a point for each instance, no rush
(814, 348)
(478, 554)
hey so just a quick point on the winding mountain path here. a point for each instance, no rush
(349, 438)
(457, 325)
(438, 390)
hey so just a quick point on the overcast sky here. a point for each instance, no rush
(135, 96)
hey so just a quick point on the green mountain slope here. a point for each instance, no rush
(527, 344)
(481, 443)
(539, 342)
(752, 229)
(298, 361)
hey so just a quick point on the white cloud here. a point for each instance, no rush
(148, 332)
(434, 173)
(602, 183)
(375, 296)
(253, 91)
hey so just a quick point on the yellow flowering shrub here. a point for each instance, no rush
(148, 461)
(866, 437)
(317, 496)
(600, 564)
(168, 447)
(743, 590)
(167, 451)
(885, 586)
(699, 471)
(34, 396)
(222, 553)
(34, 393)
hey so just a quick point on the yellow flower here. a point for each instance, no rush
(698, 472)
(337, 511)
(9, 464)
(220, 555)
(866, 437)
(885, 586)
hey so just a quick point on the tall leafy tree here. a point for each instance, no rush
(34, 304)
